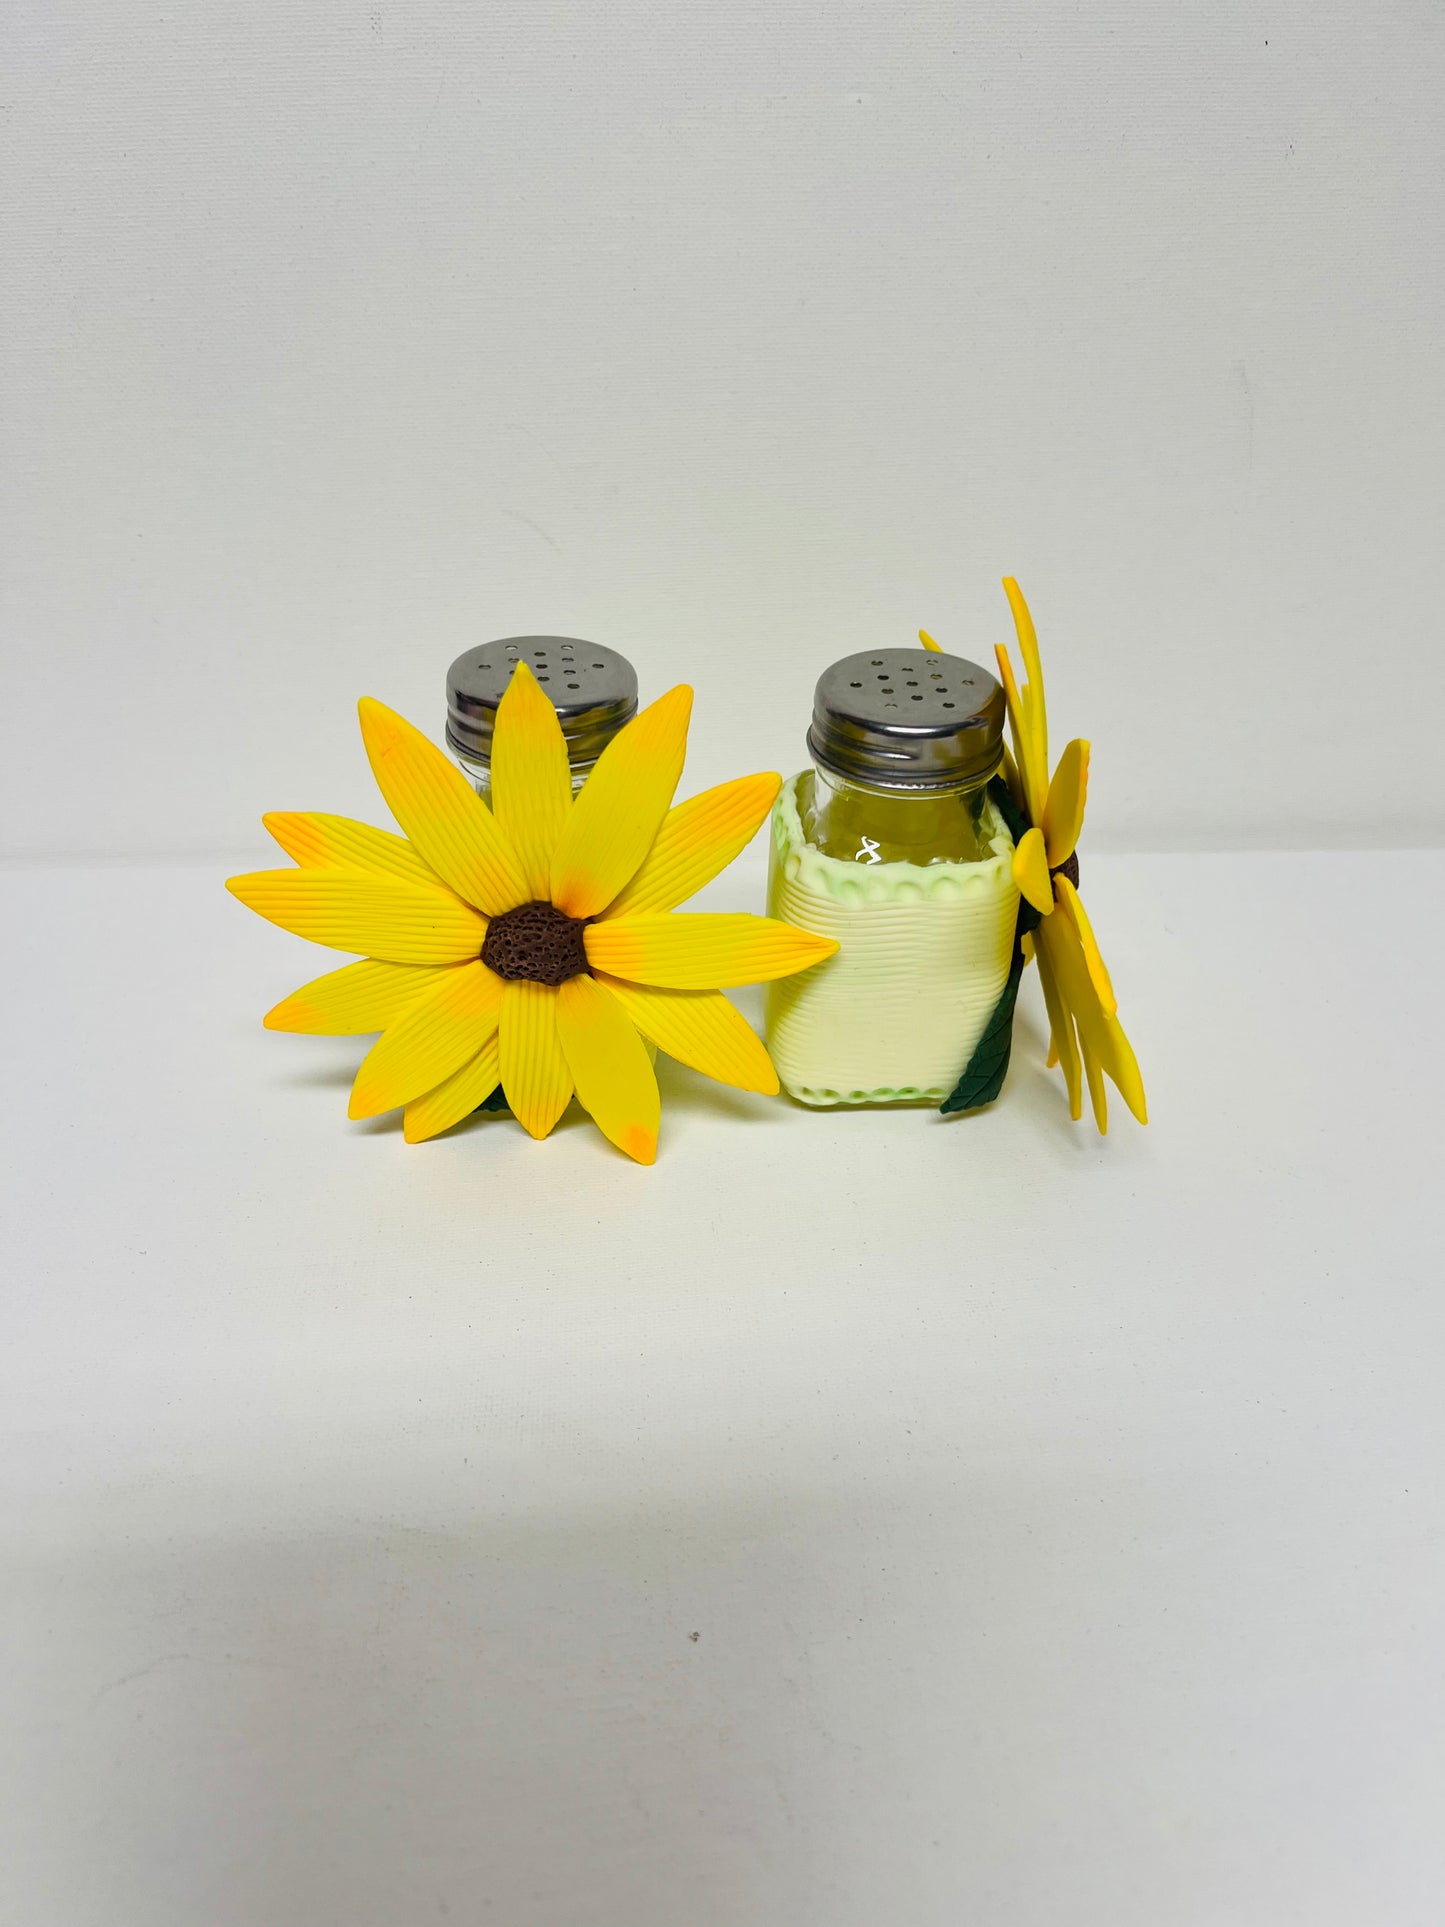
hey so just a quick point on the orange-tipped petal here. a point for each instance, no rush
(534, 1071)
(928, 642)
(614, 820)
(1093, 960)
(455, 1097)
(320, 842)
(702, 1029)
(701, 952)
(531, 781)
(358, 997)
(440, 1031)
(698, 839)
(609, 1066)
(397, 922)
(1031, 872)
(441, 812)
(1063, 816)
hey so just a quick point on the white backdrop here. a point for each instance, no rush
(341, 336)
(858, 1518)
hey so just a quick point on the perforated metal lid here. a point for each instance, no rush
(908, 719)
(594, 688)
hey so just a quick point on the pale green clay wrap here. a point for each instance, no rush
(923, 956)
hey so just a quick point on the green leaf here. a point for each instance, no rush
(496, 1102)
(983, 1079)
(984, 1074)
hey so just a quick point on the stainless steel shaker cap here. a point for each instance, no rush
(594, 688)
(907, 719)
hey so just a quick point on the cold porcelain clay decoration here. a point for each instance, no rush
(529, 945)
(1047, 815)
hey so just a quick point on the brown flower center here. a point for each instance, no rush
(1068, 868)
(535, 940)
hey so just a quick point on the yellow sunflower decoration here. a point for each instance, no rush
(530, 946)
(1084, 1024)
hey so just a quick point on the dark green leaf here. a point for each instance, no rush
(983, 1079)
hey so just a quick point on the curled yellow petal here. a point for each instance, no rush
(441, 812)
(534, 1071)
(697, 841)
(1033, 670)
(440, 1031)
(702, 1029)
(320, 842)
(1063, 815)
(702, 952)
(398, 922)
(358, 997)
(1093, 960)
(1031, 871)
(612, 824)
(609, 1066)
(1031, 767)
(928, 642)
(531, 781)
(455, 1097)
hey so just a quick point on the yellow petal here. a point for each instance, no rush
(455, 1097)
(609, 1066)
(1063, 1046)
(1033, 671)
(697, 840)
(1031, 872)
(1083, 929)
(1063, 816)
(358, 997)
(398, 922)
(1013, 779)
(319, 842)
(440, 811)
(621, 806)
(534, 1071)
(701, 952)
(440, 1031)
(531, 781)
(700, 1028)
(1031, 768)
(1101, 1037)
(928, 642)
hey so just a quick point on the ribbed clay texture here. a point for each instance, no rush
(923, 956)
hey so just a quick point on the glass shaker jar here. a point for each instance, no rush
(891, 844)
(594, 689)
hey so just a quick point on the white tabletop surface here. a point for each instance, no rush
(858, 1520)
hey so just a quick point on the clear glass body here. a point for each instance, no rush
(861, 825)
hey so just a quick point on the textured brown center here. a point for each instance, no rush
(535, 940)
(1068, 868)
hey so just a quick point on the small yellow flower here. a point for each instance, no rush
(1082, 1007)
(530, 946)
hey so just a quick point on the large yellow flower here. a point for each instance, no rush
(529, 946)
(1082, 1007)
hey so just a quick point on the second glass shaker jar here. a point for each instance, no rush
(892, 845)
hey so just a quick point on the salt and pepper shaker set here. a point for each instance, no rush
(890, 843)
